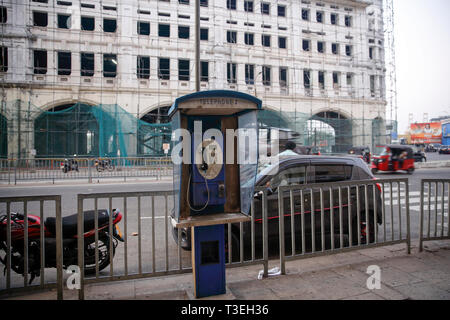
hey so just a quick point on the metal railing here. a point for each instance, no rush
(297, 222)
(14, 243)
(131, 210)
(332, 211)
(16, 170)
(434, 210)
(150, 239)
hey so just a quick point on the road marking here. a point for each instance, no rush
(395, 194)
(157, 217)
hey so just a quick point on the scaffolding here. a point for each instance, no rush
(391, 91)
(109, 130)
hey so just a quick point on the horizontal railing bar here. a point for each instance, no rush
(343, 184)
(124, 194)
(30, 198)
(435, 180)
(436, 238)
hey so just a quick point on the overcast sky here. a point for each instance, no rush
(422, 36)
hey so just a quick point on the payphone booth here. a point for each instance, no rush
(215, 158)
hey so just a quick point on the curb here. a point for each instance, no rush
(433, 164)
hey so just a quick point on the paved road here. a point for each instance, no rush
(161, 233)
(435, 156)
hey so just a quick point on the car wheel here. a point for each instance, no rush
(185, 244)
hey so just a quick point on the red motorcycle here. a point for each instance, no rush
(70, 242)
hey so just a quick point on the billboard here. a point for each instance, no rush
(446, 134)
(426, 133)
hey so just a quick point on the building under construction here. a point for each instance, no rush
(96, 78)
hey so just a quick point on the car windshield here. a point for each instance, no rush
(264, 172)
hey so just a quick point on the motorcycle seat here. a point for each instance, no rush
(70, 223)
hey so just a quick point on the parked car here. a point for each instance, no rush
(431, 148)
(305, 170)
(444, 150)
(418, 154)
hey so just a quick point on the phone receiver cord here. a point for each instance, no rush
(189, 202)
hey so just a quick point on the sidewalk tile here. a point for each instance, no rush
(110, 291)
(333, 285)
(365, 296)
(409, 264)
(423, 291)
(168, 295)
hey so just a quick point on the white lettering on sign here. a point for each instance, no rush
(215, 101)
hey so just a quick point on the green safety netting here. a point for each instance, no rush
(3, 137)
(97, 131)
(110, 131)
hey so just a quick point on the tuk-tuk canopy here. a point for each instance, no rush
(396, 150)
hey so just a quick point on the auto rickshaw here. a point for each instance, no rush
(393, 158)
(363, 152)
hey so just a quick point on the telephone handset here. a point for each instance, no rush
(209, 159)
(208, 175)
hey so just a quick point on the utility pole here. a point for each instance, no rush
(197, 45)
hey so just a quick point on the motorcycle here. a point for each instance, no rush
(101, 165)
(69, 165)
(70, 241)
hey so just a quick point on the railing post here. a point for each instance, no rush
(265, 235)
(15, 172)
(422, 190)
(80, 231)
(281, 230)
(89, 170)
(408, 231)
(59, 250)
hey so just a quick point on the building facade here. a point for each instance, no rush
(320, 60)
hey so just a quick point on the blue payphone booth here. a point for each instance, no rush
(215, 156)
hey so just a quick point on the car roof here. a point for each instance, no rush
(286, 161)
(313, 159)
(398, 146)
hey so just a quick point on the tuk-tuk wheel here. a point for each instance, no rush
(374, 170)
(410, 170)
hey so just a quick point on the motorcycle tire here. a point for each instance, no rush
(103, 255)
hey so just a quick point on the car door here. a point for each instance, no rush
(335, 202)
(287, 175)
(290, 176)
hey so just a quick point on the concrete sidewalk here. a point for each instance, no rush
(432, 164)
(424, 275)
